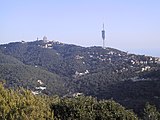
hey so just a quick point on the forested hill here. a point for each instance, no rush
(51, 67)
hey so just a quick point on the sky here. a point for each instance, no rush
(130, 25)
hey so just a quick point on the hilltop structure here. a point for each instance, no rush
(103, 36)
(45, 39)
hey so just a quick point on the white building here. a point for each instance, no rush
(45, 39)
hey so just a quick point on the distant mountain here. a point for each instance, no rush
(66, 69)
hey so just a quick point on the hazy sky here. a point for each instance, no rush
(131, 25)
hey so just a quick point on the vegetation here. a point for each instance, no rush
(18, 75)
(23, 105)
(131, 80)
(151, 113)
(88, 108)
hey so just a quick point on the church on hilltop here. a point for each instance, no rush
(45, 39)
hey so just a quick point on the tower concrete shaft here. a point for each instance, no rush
(103, 36)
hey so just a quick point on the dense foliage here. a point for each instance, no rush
(21, 104)
(88, 108)
(151, 113)
(18, 74)
(129, 79)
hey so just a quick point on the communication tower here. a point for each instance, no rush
(103, 36)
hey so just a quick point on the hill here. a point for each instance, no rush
(69, 69)
(16, 74)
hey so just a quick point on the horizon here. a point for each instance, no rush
(131, 26)
(135, 52)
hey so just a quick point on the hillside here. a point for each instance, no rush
(69, 69)
(16, 74)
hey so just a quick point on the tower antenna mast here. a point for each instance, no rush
(103, 36)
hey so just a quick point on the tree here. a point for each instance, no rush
(23, 105)
(151, 113)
